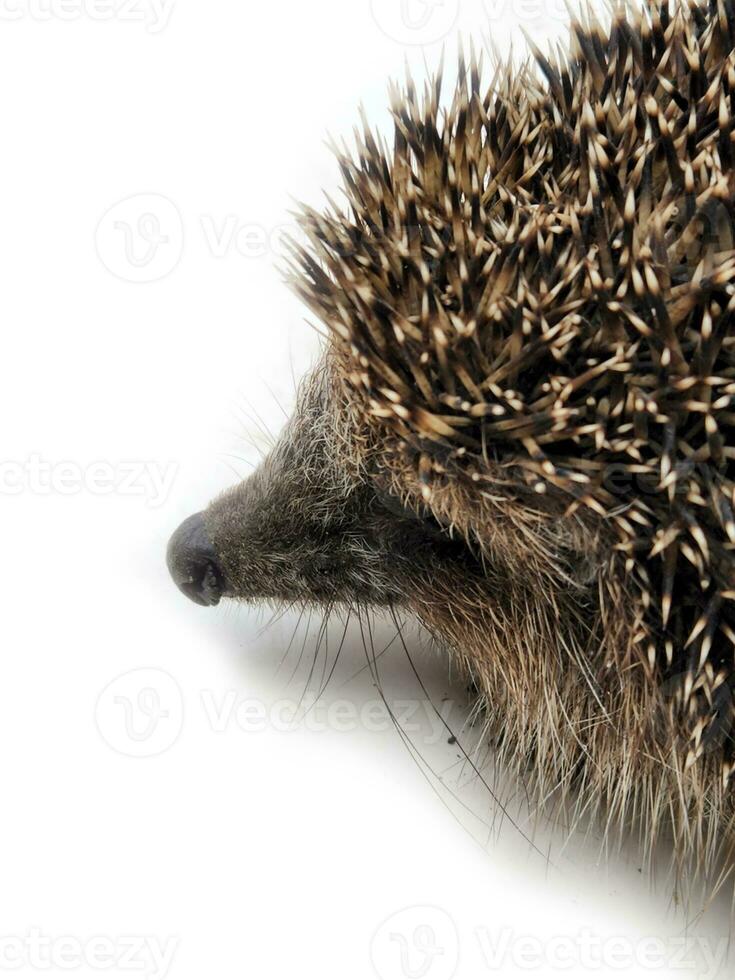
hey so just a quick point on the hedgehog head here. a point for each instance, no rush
(312, 526)
(522, 429)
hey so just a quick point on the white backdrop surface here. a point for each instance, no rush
(162, 814)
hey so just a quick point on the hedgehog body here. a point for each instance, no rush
(523, 427)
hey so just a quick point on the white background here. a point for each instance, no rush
(244, 846)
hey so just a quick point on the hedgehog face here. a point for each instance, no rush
(307, 527)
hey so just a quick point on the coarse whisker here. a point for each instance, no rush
(340, 646)
(275, 398)
(280, 610)
(302, 611)
(452, 734)
(425, 768)
(321, 637)
(257, 419)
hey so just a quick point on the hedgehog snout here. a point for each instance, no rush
(193, 563)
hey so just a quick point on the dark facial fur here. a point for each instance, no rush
(303, 528)
(522, 431)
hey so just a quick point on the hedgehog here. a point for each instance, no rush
(521, 430)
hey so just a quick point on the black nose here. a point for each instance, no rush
(193, 563)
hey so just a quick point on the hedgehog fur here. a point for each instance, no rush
(529, 297)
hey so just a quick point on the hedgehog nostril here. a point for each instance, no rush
(193, 563)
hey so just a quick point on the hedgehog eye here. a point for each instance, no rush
(322, 564)
(423, 516)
